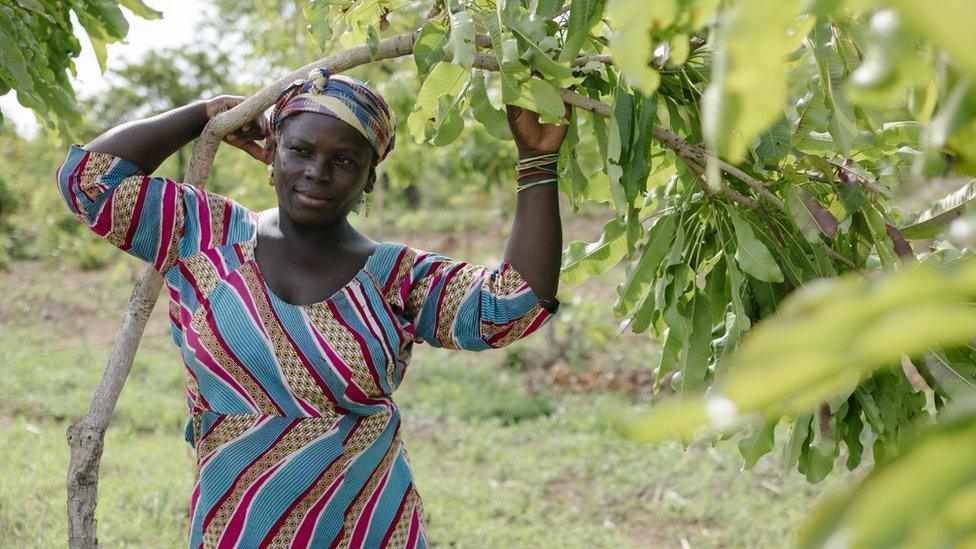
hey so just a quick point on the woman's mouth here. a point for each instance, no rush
(311, 199)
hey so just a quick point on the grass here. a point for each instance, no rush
(497, 466)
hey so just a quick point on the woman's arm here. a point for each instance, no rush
(148, 142)
(536, 241)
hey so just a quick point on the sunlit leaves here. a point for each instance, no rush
(429, 47)
(541, 97)
(748, 88)
(631, 42)
(436, 114)
(947, 23)
(461, 43)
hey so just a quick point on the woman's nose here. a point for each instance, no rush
(317, 171)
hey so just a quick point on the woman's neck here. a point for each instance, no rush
(299, 239)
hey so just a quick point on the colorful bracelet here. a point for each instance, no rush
(536, 170)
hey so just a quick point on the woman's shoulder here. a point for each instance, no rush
(393, 262)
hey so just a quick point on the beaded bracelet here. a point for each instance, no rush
(536, 170)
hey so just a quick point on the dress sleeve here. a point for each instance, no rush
(153, 218)
(458, 305)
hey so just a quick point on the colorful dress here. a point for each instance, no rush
(296, 435)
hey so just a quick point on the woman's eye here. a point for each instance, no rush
(299, 151)
(344, 161)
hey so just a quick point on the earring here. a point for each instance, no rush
(361, 204)
(270, 175)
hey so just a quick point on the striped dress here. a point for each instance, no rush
(291, 416)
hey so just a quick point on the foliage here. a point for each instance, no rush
(752, 148)
(38, 46)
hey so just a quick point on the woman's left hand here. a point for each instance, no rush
(245, 137)
(531, 136)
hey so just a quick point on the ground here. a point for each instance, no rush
(505, 454)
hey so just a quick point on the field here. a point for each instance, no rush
(498, 465)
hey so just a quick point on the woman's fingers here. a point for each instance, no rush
(252, 148)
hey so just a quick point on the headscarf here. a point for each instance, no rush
(342, 97)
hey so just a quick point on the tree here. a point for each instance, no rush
(745, 150)
(38, 47)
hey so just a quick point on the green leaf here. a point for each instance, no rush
(493, 119)
(774, 144)
(372, 41)
(798, 439)
(461, 42)
(140, 9)
(748, 91)
(317, 13)
(429, 47)
(643, 271)
(695, 368)
(751, 254)
(583, 16)
(445, 80)
(631, 41)
(757, 443)
(932, 221)
(541, 97)
(506, 52)
(953, 379)
(842, 124)
(581, 260)
(809, 215)
(636, 171)
(559, 75)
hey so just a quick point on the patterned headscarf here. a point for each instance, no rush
(341, 97)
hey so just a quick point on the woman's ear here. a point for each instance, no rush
(271, 148)
(370, 180)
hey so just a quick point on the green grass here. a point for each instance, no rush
(496, 465)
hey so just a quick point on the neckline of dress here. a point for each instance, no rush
(253, 244)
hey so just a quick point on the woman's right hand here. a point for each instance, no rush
(245, 137)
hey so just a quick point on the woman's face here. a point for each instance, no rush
(322, 165)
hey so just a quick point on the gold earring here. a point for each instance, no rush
(271, 175)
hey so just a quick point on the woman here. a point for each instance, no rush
(295, 328)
